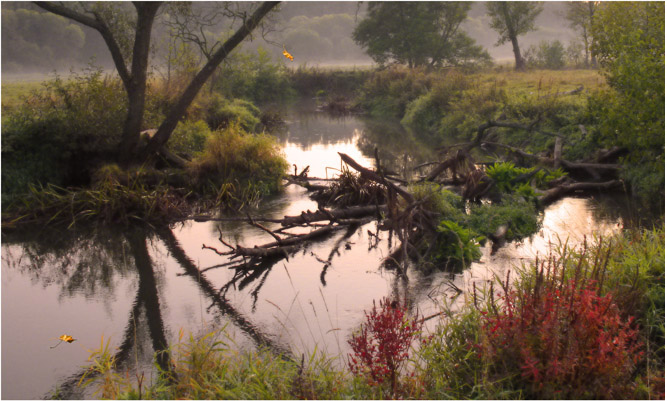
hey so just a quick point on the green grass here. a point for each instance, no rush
(14, 93)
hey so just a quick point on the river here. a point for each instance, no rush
(140, 290)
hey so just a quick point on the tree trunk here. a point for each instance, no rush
(520, 63)
(178, 111)
(136, 88)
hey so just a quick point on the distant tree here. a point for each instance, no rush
(580, 16)
(127, 35)
(511, 20)
(32, 39)
(549, 55)
(418, 34)
(574, 51)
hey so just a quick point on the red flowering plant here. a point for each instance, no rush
(382, 343)
(559, 337)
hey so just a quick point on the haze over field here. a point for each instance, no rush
(315, 33)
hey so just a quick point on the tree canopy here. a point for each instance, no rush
(512, 19)
(418, 34)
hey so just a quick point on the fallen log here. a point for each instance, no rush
(322, 215)
(556, 193)
(567, 165)
(257, 252)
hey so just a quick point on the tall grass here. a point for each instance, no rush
(117, 197)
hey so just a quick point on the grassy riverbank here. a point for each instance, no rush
(578, 324)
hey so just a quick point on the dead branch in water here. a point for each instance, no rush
(373, 176)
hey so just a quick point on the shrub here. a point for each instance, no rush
(221, 112)
(323, 82)
(382, 343)
(548, 55)
(456, 246)
(387, 93)
(561, 337)
(238, 167)
(254, 77)
(518, 215)
(440, 200)
(189, 137)
(60, 132)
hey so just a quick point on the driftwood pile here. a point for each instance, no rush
(405, 217)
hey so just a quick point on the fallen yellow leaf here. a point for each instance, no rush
(67, 338)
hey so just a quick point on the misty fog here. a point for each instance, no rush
(315, 33)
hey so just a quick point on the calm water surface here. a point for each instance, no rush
(140, 290)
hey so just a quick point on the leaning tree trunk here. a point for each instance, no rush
(520, 63)
(178, 111)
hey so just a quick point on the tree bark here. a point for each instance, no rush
(519, 62)
(184, 101)
(136, 87)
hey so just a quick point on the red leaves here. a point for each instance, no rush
(565, 338)
(382, 344)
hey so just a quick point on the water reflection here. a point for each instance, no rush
(141, 287)
(124, 264)
(315, 138)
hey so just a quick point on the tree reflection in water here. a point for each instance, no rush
(90, 261)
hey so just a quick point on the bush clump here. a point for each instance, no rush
(189, 137)
(62, 132)
(221, 112)
(237, 166)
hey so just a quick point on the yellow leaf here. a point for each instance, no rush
(67, 338)
(287, 55)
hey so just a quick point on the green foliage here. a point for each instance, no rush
(457, 246)
(207, 367)
(450, 366)
(546, 55)
(238, 167)
(508, 178)
(387, 93)
(629, 42)
(221, 113)
(254, 77)
(58, 133)
(440, 200)
(519, 216)
(418, 34)
(189, 137)
(309, 82)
